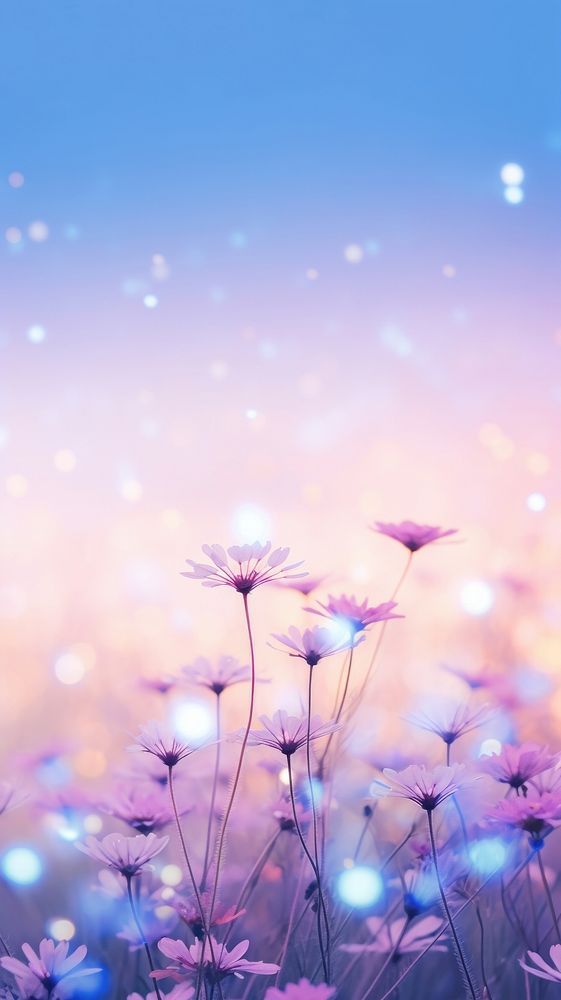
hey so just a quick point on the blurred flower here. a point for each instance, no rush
(413, 536)
(515, 766)
(541, 969)
(144, 809)
(314, 644)
(547, 781)
(304, 990)
(165, 746)
(156, 922)
(51, 974)
(305, 586)
(254, 565)
(217, 676)
(427, 787)
(408, 936)
(190, 913)
(160, 685)
(228, 963)
(288, 733)
(538, 815)
(126, 855)
(357, 616)
(474, 680)
(456, 723)
(180, 992)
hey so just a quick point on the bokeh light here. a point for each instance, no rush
(21, 865)
(360, 886)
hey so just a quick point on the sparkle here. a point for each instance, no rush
(512, 174)
(353, 253)
(171, 875)
(70, 668)
(489, 747)
(36, 334)
(38, 231)
(536, 502)
(477, 597)
(251, 414)
(22, 865)
(150, 301)
(251, 523)
(359, 886)
(193, 721)
(513, 194)
(61, 929)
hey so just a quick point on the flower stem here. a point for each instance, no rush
(315, 826)
(142, 936)
(548, 894)
(389, 958)
(340, 709)
(447, 909)
(212, 797)
(321, 904)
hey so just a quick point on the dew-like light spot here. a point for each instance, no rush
(353, 253)
(536, 502)
(92, 823)
(22, 865)
(489, 747)
(16, 179)
(64, 460)
(17, 486)
(488, 855)
(251, 523)
(61, 929)
(512, 174)
(284, 776)
(70, 668)
(514, 195)
(13, 235)
(171, 875)
(477, 597)
(38, 231)
(36, 334)
(193, 721)
(359, 886)
(150, 301)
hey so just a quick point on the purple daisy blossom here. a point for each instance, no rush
(49, 975)
(217, 676)
(541, 969)
(413, 536)
(165, 746)
(288, 733)
(451, 725)
(357, 615)
(145, 809)
(304, 990)
(315, 644)
(515, 766)
(428, 787)
(227, 963)
(253, 566)
(126, 855)
(536, 814)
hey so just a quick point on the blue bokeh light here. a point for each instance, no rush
(360, 886)
(488, 855)
(22, 865)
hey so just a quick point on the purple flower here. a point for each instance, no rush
(357, 616)
(536, 814)
(456, 723)
(217, 676)
(51, 974)
(165, 746)
(243, 567)
(413, 536)
(409, 936)
(541, 969)
(126, 855)
(145, 809)
(515, 766)
(427, 787)
(180, 992)
(288, 733)
(314, 644)
(228, 963)
(304, 990)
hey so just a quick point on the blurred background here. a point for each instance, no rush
(272, 271)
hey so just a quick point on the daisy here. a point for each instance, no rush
(165, 746)
(50, 975)
(217, 676)
(304, 990)
(413, 536)
(227, 963)
(243, 567)
(427, 787)
(454, 723)
(143, 809)
(288, 733)
(402, 935)
(314, 644)
(541, 969)
(126, 855)
(515, 766)
(305, 586)
(537, 814)
(356, 616)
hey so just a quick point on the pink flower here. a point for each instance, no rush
(305, 586)
(427, 787)
(515, 766)
(217, 676)
(189, 912)
(51, 974)
(160, 685)
(228, 963)
(288, 733)
(416, 936)
(542, 970)
(145, 809)
(126, 855)
(314, 644)
(165, 746)
(357, 616)
(413, 536)
(253, 565)
(456, 723)
(537, 814)
(304, 990)
(474, 680)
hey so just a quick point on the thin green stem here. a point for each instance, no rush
(142, 935)
(447, 908)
